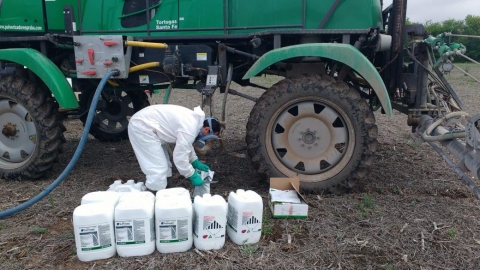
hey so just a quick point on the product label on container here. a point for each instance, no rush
(211, 228)
(232, 217)
(195, 224)
(130, 232)
(173, 230)
(95, 237)
(152, 230)
(251, 223)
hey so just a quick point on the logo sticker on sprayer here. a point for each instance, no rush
(95, 237)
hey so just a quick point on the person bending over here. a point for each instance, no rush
(151, 128)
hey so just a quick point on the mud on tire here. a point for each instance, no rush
(315, 128)
(32, 132)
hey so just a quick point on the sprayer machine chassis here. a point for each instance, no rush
(317, 123)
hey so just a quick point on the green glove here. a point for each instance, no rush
(200, 166)
(196, 179)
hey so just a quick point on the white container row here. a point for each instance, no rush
(129, 186)
(133, 224)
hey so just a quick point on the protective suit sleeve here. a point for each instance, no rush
(182, 153)
(193, 155)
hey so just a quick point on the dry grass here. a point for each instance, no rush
(411, 213)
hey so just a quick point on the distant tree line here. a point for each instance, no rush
(469, 26)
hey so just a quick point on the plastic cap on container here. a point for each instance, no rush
(138, 186)
(115, 185)
(137, 196)
(130, 182)
(166, 194)
(100, 196)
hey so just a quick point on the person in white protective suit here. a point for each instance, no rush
(152, 127)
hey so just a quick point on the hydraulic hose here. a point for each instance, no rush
(448, 136)
(146, 44)
(144, 66)
(74, 159)
(137, 68)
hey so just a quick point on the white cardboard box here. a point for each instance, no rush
(285, 200)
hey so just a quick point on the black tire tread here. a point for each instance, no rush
(42, 109)
(139, 100)
(358, 169)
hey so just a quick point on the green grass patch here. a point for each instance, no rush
(51, 202)
(68, 235)
(397, 190)
(297, 229)
(452, 232)
(249, 249)
(39, 230)
(366, 206)
(415, 146)
(414, 202)
(407, 135)
(267, 226)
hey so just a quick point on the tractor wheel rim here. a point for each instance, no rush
(19, 134)
(115, 118)
(310, 137)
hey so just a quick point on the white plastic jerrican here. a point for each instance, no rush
(94, 231)
(129, 186)
(200, 190)
(244, 219)
(205, 188)
(115, 185)
(134, 228)
(117, 182)
(210, 220)
(101, 196)
(169, 193)
(130, 182)
(137, 196)
(173, 224)
(140, 186)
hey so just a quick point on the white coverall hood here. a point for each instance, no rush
(155, 125)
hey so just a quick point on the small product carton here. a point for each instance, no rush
(285, 199)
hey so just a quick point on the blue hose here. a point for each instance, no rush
(74, 159)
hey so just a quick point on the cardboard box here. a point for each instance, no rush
(285, 199)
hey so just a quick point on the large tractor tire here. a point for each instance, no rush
(32, 132)
(314, 128)
(110, 122)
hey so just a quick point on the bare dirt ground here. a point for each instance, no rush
(411, 213)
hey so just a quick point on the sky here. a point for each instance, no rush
(439, 10)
